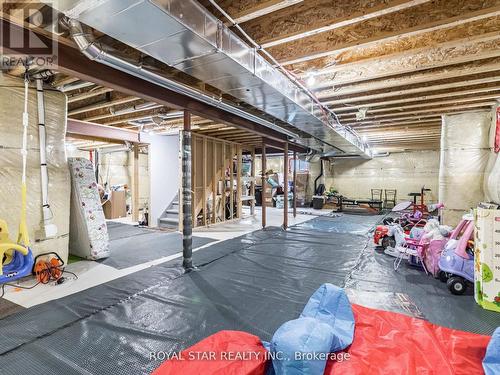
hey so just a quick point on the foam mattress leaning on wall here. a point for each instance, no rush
(464, 157)
(89, 233)
(11, 130)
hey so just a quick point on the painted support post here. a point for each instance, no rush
(187, 220)
(295, 184)
(285, 187)
(135, 184)
(263, 185)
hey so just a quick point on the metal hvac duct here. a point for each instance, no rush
(183, 34)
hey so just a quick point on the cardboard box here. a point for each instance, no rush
(487, 258)
(116, 207)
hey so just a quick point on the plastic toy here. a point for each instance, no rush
(407, 221)
(457, 260)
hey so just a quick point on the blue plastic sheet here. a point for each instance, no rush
(326, 325)
(330, 305)
(491, 362)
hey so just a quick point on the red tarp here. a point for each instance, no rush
(384, 343)
(394, 344)
(225, 346)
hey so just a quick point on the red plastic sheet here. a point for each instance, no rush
(394, 344)
(385, 343)
(233, 353)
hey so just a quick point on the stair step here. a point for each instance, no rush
(173, 211)
(169, 221)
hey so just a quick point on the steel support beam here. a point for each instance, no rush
(187, 217)
(92, 131)
(285, 187)
(263, 185)
(294, 184)
(72, 62)
(135, 183)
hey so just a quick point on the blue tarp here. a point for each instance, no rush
(491, 362)
(326, 325)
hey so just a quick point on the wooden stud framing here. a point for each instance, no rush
(224, 184)
(238, 182)
(135, 184)
(252, 184)
(193, 182)
(231, 181)
(204, 174)
(215, 172)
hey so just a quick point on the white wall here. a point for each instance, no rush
(164, 172)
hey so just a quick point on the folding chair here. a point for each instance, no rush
(390, 197)
(376, 194)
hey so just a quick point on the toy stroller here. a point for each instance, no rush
(457, 260)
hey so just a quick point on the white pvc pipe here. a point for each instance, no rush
(50, 229)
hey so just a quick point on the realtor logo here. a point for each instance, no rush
(22, 45)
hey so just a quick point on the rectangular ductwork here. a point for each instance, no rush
(183, 34)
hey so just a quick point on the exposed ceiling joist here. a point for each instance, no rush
(399, 108)
(139, 115)
(424, 79)
(426, 18)
(395, 129)
(417, 116)
(121, 99)
(262, 8)
(313, 17)
(431, 92)
(470, 49)
(438, 110)
(400, 120)
(88, 94)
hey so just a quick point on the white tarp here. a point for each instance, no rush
(464, 157)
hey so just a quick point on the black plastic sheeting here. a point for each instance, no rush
(252, 283)
(118, 230)
(374, 276)
(132, 245)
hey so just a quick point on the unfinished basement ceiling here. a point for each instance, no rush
(213, 54)
(387, 68)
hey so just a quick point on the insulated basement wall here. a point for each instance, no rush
(492, 173)
(11, 130)
(464, 158)
(406, 172)
(116, 168)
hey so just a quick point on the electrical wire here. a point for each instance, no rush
(2, 293)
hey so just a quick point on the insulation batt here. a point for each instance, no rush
(464, 157)
(492, 174)
(11, 110)
(406, 172)
(116, 168)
